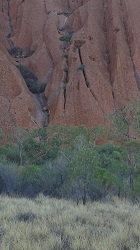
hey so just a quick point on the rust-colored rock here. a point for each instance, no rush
(18, 107)
(95, 72)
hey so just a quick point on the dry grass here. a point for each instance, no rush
(49, 224)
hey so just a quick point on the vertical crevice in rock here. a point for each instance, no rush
(47, 50)
(41, 103)
(65, 95)
(45, 8)
(2, 6)
(66, 79)
(129, 40)
(110, 44)
(10, 25)
(83, 69)
(65, 45)
(85, 77)
(40, 98)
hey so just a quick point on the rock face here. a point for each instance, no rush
(18, 107)
(87, 51)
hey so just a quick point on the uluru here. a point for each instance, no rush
(85, 54)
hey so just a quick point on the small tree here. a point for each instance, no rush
(124, 128)
(13, 151)
(132, 160)
(82, 169)
(111, 158)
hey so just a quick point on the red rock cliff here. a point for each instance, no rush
(87, 76)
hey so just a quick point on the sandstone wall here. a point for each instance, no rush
(105, 41)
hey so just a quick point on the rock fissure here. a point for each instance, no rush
(64, 96)
(9, 25)
(85, 77)
(42, 105)
(2, 8)
(66, 76)
(108, 53)
(66, 69)
(83, 67)
(47, 50)
(45, 8)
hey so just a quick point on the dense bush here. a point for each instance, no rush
(31, 80)
(66, 13)
(18, 52)
(15, 51)
(66, 37)
(64, 161)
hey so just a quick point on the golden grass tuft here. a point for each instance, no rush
(51, 224)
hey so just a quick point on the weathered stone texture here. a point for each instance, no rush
(105, 41)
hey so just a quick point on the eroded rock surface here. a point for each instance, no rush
(95, 72)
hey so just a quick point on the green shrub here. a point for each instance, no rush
(81, 67)
(31, 80)
(15, 51)
(32, 173)
(66, 13)
(26, 72)
(19, 52)
(66, 37)
(10, 153)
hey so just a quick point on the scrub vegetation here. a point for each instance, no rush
(68, 162)
(70, 187)
(48, 224)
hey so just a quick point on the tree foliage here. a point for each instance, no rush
(66, 161)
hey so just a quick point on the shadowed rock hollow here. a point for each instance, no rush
(86, 51)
